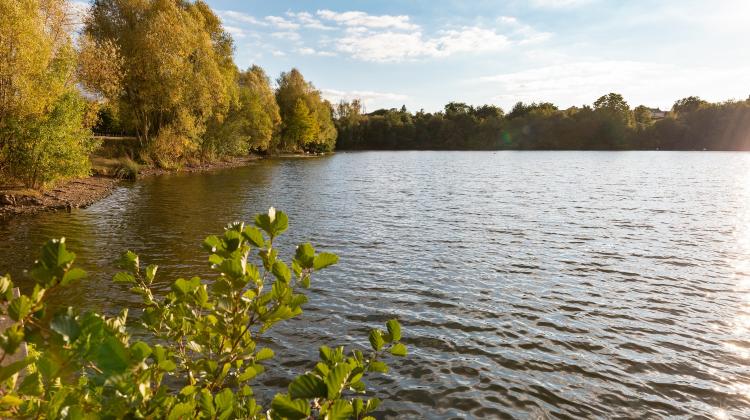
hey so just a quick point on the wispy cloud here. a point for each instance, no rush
(580, 82)
(366, 96)
(362, 19)
(239, 17)
(309, 21)
(287, 35)
(559, 4)
(313, 51)
(282, 23)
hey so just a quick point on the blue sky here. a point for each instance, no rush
(426, 53)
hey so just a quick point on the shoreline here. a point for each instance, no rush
(83, 192)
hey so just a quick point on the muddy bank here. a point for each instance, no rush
(65, 196)
(83, 192)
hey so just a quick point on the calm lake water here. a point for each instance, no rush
(529, 284)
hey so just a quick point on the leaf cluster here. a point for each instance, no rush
(201, 353)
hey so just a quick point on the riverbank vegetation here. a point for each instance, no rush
(161, 72)
(202, 343)
(609, 124)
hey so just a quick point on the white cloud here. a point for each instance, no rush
(392, 46)
(581, 82)
(278, 53)
(239, 17)
(356, 18)
(309, 21)
(521, 32)
(367, 97)
(281, 23)
(559, 4)
(235, 31)
(312, 51)
(287, 35)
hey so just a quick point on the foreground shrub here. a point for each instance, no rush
(202, 351)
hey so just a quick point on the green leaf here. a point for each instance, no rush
(130, 261)
(182, 411)
(206, 403)
(13, 368)
(140, 351)
(112, 356)
(151, 273)
(167, 365)
(66, 325)
(224, 401)
(263, 354)
(339, 410)
(281, 271)
(324, 259)
(6, 287)
(336, 379)
(11, 338)
(31, 385)
(254, 236)
(284, 406)
(281, 223)
(9, 401)
(212, 244)
(19, 308)
(123, 277)
(72, 275)
(185, 287)
(372, 405)
(233, 267)
(399, 349)
(305, 254)
(394, 329)
(308, 386)
(378, 367)
(376, 339)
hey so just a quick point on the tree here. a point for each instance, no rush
(252, 123)
(292, 88)
(642, 117)
(177, 70)
(614, 104)
(43, 129)
(688, 105)
(300, 125)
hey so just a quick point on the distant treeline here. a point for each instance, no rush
(610, 124)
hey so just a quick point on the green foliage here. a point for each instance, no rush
(610, 124)
(252, 124)
(44, 131)
(175, 59)
(202, 349)
(127, 168)
(307, 119)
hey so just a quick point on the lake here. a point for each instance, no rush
(566, 284)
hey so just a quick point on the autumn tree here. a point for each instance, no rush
(43, 129)
(688, 105)
(252, 124)
(642, 117)
(321, 135)
(177, 70)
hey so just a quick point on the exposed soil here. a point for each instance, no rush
(64, 196)
(83, 192)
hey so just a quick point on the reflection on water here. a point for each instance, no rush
(570, 283)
